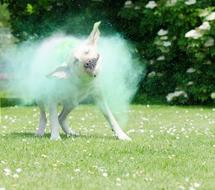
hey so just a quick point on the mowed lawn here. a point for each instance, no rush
(172, 148)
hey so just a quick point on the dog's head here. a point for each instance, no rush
(85, 57)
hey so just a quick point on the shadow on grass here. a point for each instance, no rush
(63, 136)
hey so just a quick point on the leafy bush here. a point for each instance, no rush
(36, 19)
(6, 38)
(177, 40)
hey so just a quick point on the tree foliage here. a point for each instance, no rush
(6, 38)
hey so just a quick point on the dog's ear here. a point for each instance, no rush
(61, 72)
(94, 35)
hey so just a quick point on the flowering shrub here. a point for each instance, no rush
(176, 37)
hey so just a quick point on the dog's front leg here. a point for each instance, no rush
(54, 122)
(42, 122)
(113, 123)
(63, 120)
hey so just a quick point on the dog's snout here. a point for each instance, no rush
(93, 60)
(91, 63)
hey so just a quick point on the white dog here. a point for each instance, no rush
(79, 73)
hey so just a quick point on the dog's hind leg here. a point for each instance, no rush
(113, 123)
(64, 122)
(42, 121)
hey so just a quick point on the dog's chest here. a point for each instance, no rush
(79, 90)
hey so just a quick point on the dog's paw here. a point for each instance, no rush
(72, 133)
(55, 138)
(123, 137)
(39, 134)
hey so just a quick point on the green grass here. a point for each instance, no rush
(172, 148)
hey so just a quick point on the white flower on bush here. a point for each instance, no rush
(191, 70)
(171, 2)
(190, 83)
(176, 94)
(151, 74)
(161, 58)
(190, 2)
(151, 5)
(213, 95)
(199, 31)
(204, 13)
(209, 42)
(211, 16)
(128, 4)
(164, 37)
(167, 43)
(159, 74)
(207, 62)
(205, 26)
(137, 8)
(195, 34)
(162, 32)
(151, 62)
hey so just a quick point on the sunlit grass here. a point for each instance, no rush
(172, 148)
